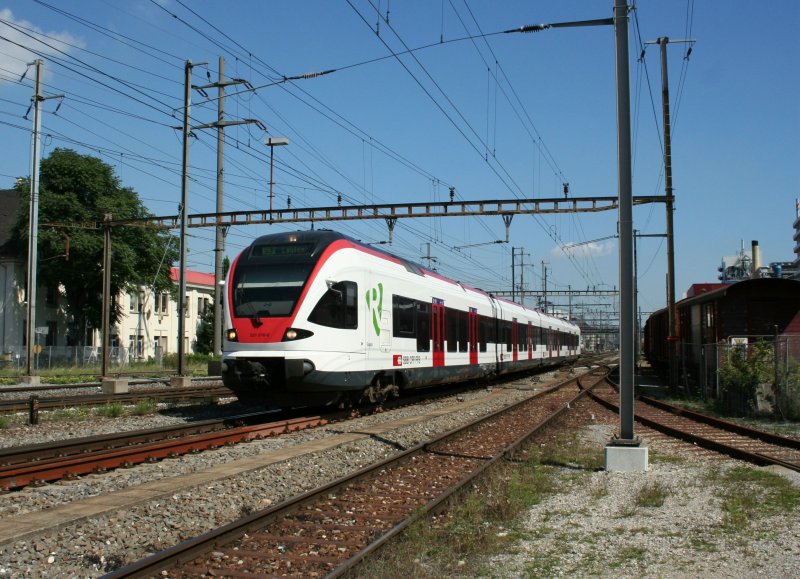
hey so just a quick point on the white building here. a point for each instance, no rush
(147, 329)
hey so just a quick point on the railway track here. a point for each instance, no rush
(23, 466)
(735, 440)
(329, 530)
(189, 394)
(36, 464)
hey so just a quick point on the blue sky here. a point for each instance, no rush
(498, 116)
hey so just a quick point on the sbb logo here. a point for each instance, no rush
(397, 360)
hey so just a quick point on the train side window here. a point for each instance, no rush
(423, 327)
(338, 307)
(483, 332)
(451, 320)
(404, 316)
(463, 332)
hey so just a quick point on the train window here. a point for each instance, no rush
(484, 330)
(462, 331)
(264, 291)
(423, 327)
(404, 312)
(337, 308)
(451, 320)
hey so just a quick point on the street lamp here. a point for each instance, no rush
(273, 142)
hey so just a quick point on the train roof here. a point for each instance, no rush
(753, 286)
(324, 237)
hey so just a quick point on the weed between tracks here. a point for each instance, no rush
(485, 521)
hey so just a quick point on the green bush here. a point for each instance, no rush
(144, 407)
(111, 410)
(744, 370)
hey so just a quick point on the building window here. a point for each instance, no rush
(162, 303)
(134, 301)
(188, 305)
(51, 296)
(50, 338)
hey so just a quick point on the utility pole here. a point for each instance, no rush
(429, 258)
(187, 95)
(513, 273)
(221, 231)
(670, 200)
(521, 286)
(33, 225)
(544, 286)
(106, 314)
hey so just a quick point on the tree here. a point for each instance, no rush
(204, 342)
(76, 189)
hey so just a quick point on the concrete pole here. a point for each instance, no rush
(33, 229)
(627, 316)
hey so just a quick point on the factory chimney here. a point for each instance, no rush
(756, 255)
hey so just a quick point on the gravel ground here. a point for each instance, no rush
(100, 544)
(590, 528)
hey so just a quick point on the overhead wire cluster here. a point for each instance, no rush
(104, 93)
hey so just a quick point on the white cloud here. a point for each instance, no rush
(21, 38)
(590, 249)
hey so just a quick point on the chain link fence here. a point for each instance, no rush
(755, 374)
(87, 358)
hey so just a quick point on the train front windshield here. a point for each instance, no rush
(268, 291)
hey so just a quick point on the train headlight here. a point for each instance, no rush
(292, 334)
(231, 335)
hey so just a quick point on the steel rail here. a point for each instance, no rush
(165, 394)
(18, 476)
(190, 549)
(15, 455)
(732, 450)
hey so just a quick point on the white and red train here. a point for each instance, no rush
(315, 317)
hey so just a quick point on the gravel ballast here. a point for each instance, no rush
(587, 529)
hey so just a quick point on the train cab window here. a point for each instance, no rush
(337, 308)
(266, 291)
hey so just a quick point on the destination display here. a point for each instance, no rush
(284, 249)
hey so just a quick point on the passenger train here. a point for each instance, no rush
(318, 318)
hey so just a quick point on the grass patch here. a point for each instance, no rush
(111, 410)
(479, 524)
(69, 414)
(570, 451)
(652, 494)
(750, 493)
(144, 407)
(486, 521)
(629, 555)
(5, 421)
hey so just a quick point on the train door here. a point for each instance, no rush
(530, 341)
(514, 339)
(437, 331)
(549, 342)
(472, 335)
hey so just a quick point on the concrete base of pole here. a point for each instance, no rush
(180, 381)
(114, 386)
(215, 368)
(31, 380)
(626, 458)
